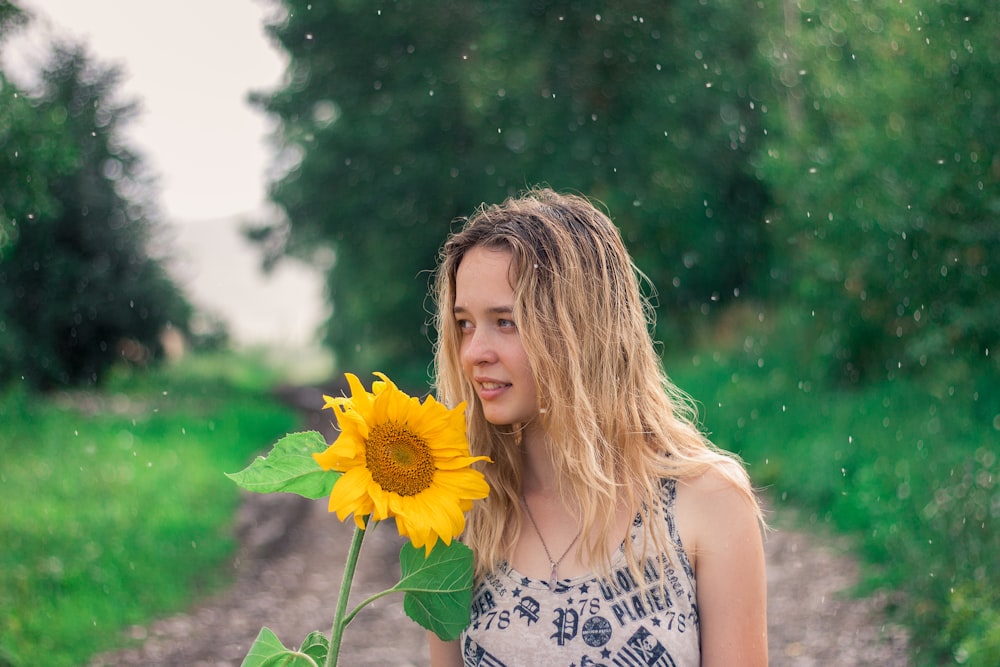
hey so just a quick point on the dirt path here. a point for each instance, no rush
(289, 566)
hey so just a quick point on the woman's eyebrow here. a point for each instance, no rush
(495, 310)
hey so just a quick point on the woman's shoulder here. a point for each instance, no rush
(719, 520)
(716, 475)
(713, 506)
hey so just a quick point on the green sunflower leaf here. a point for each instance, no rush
(438, 587)
(316, 645)
(268, 651)
(289, 468)
(266, 645)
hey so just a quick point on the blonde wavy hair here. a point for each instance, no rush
(619, 424)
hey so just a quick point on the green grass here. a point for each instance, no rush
(907, 465)
(115, 506)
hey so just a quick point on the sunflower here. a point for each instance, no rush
(404, 459)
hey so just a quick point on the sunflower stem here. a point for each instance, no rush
(366, 602)
(339, 620)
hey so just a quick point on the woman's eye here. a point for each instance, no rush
(464, 325)
(506, 324)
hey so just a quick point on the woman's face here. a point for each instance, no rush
(492, 355)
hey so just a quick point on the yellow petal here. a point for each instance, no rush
(463, 484)
(348, 494)
(361, 400)
(380, 501)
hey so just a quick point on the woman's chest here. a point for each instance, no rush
(518, 620)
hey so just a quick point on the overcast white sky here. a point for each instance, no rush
(191, 64)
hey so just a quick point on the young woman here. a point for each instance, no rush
(614, 533)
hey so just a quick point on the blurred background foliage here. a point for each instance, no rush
(886, 175)
(839, 157)
(813, 189)
(438, 107)
(81, 284)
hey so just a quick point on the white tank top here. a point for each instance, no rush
(589, 621)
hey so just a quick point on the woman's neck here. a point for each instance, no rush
(539, 472)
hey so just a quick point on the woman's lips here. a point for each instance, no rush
(490, 389)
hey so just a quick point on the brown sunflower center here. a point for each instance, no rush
(398, 459)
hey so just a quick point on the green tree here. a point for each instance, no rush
(395, 120)
(28, 160)
(25, 156)
(888, 176)
(79, 288)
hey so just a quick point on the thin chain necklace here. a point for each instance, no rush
(553, 564)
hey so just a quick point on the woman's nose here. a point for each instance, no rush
(478, 348)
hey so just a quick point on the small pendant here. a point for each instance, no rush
(552, 578)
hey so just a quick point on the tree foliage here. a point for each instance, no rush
(79, 287)
(888, 174)
(842, 154)
(399, 118)
(27, 154)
